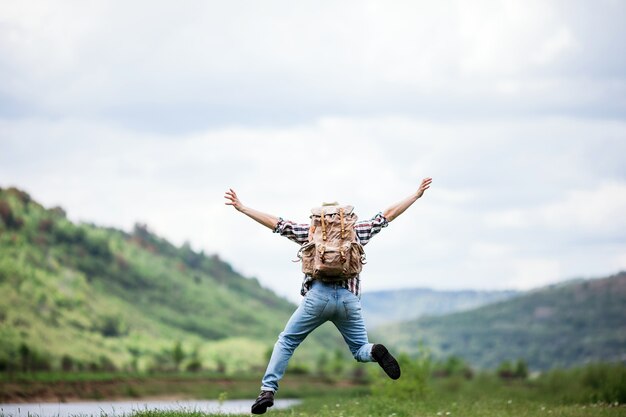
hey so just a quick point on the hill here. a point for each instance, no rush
(561, 325)
(392, 306)
(79, 296)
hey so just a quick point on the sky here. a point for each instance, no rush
(148, 111)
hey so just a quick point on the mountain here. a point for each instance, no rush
(385, 307)
(79, 296)
(560, 325)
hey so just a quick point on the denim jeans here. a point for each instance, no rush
(322, 303)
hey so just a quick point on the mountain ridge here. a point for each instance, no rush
(83, 296)
(562, 324)
(80, 296)
(391, 306)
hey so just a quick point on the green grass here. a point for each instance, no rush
(483, 396)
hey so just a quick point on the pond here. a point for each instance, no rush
(121, 408)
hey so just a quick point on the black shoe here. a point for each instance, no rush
(386, 361)
(263, 402)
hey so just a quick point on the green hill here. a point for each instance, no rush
(561, 325)
(78, 296)
(392, 306)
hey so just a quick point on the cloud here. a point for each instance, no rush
(557, 44)
(512, 205)
(598, 210)
(159, 67)
(149, 111)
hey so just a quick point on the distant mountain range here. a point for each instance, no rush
(392, 306)
(557, 326)
(80, 296)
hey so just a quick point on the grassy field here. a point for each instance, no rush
(593, 390)
(482, 397)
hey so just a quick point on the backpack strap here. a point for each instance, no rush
(323, 226)
(343, 226)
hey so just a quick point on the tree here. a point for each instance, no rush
(178, 355)
(521, 369)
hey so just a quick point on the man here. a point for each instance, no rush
(338, 302)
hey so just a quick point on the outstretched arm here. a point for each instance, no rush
(266, 220)
(399, 208)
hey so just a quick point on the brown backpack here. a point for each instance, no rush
(333, 252)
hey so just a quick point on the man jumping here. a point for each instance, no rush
(328, 296)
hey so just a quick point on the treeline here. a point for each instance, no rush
(25, 359)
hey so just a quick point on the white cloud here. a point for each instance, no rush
(557, 44)
(203, 64)
(510, 205)
(148, 111)
(534, 272)
(597, 210)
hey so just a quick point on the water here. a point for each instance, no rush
(121, 408)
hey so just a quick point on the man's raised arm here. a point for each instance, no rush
(266, 220)
(399, 208)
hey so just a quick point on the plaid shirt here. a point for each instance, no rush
(299, 233)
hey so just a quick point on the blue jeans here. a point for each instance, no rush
(322, 303)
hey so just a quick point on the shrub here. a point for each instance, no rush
(5, 212)
(413, 384)
(98, 247)
(67, 233)
(32, 360)
(106, 364)
(58, 212)
(298, 369)
(606, 382)
(11, 221)
(195, 363)
(508, 370)
(453, 366)
(178, 354)
(112, 326)
(521, 369)
(194, 366)
(23, 196)
(600, 382)
(45, 225)
(67, 363)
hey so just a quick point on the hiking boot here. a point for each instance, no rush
(386, 361)
(263, 402)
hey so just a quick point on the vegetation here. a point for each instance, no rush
(77, 297)
(591, 390)
(559, 326)
(573, 392)
(90, 313)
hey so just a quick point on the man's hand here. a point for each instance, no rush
(424, 186)
(232, 199)
(266, 220)
(397, 209)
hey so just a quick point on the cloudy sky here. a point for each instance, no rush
(147, 111)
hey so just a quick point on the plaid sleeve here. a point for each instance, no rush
(299, 233)
(365, 230)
